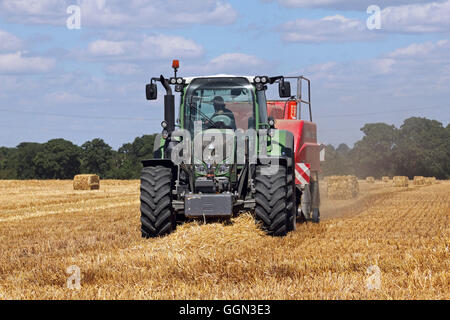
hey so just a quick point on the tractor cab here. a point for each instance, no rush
(221, 101)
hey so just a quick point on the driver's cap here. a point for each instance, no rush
(218, 100)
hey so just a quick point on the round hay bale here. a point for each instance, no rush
(385, 179)
(401, 181)
(342, 187)
(86, 182)
(429, 181)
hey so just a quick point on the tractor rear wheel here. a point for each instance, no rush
(274, 204)
(157, 216)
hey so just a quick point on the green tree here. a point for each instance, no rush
(337, 161)
(373, 154)
(96, 157)
(122, 168)
(343, 149)
(8, 168)
(131, 155)
(58, 159)
(26, 152)
(423, 149)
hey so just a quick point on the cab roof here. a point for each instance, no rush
(249, 78)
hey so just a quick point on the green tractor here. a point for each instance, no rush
(221, 157)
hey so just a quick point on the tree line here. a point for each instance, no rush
(419, 147)
(61, 159)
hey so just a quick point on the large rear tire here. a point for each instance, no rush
(157, 216)
(274, 204)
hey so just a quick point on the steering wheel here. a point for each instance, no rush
(223, 121)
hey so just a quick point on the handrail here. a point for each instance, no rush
(299, 96)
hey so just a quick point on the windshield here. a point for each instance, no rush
(220, 103)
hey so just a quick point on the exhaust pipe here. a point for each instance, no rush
(169, 105)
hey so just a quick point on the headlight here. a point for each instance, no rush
(272, 132)
(199, 168)
(222, 169)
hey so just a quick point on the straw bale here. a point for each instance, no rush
(401, 181)
(370, 179)
(342, 187)
(86, 182)
(419, 180)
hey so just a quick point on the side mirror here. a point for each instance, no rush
(151, 91)
(284, 89)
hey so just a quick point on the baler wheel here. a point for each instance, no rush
(315, 217)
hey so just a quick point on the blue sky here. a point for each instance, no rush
(87, 83)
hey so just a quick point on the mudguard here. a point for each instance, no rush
(158, 162)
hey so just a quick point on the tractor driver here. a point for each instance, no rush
(220, 109)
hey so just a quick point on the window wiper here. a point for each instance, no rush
(191, 105)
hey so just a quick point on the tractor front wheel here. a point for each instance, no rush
(274, 201)
(157, 216)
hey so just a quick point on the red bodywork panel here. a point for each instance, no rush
(305, 134)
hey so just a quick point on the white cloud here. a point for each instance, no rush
(9, 42)
(164, 46)
(34, 11)
(30, 7)
(108, 48)
(343, 4)
(17, 63)
(431, 17)
(328, 29)
(231, 63)
(151, 47)
(420, 50)
(417, 18)
(123, 69)
(418, 70)
(124, 14)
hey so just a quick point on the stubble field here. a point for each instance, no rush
(390, 243)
